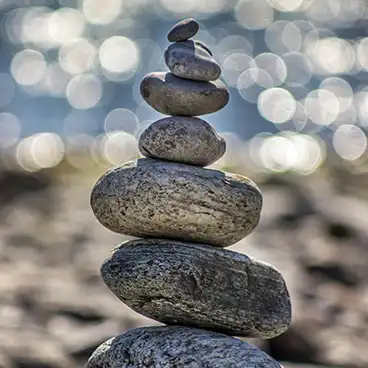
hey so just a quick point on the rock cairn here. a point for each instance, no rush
(178, 272)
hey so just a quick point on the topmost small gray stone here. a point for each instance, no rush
(183, 30)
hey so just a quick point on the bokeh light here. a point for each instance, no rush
(119, 55)
(121, 120)
(84, 91)
(292, 69)
(349, 142)
(28, 67)
(276, 105)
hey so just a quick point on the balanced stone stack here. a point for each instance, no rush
(178, 272)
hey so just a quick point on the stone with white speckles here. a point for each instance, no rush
(155, 198)
(182, 139)
(178, 347)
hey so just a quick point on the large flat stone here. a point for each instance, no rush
(182, 139)
(165, 199)
(178, 347)
(198, 285)
(191, 60)
(171, 95)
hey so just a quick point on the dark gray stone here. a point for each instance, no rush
(191, 60)
(192, 284)
(166, 199)
(171, 95)
(182, 139)
(183, 30)
(178, 347)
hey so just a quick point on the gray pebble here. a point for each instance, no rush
(178, 347)
(183, 30)
(191, 60)
(182, 139)
(198, 285)
(171, 95)
(166, 199)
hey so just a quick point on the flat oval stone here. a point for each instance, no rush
(177, 347)
(191, 60)
(166, 199)
(182, 139)
(171, 95)
(183, 30)
(198, 285)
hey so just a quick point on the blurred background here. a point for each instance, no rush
(296, 124)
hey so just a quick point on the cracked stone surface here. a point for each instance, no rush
(171, 95)
(199, 285)
(182, 139)
(155, 198)
(190, 60)
(183, 30)
(176, 347)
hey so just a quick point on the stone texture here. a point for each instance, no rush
(183, 30)
(182, 139)
(171, 95)
(164, 199)
(191, 60)
(190, 284)
(178, 347)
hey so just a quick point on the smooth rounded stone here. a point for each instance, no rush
(171, 95)
(182, 139)
(193, 284)
(177, 347)
(155, 198)
(191, 60)
(183, 30)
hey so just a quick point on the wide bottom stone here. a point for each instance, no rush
(176, 347)
(199, 285)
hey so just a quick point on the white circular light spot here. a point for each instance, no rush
(65, 24)
(77, 56)
(322, 107)
(278, 154)
(84, 91)
(102, 12)
(349, 142)
(276, 105)
(119, 147)
(122, 120)
(119, 55)
(28, 67)
(254, 14)
(341, 89)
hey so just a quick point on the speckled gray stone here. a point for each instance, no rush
(199, 285)
(171, 95)
(182, 139)
(183, 30)
(191, 60)
(166, 199)
(178, 347)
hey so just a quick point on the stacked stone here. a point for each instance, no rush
(178, 272)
